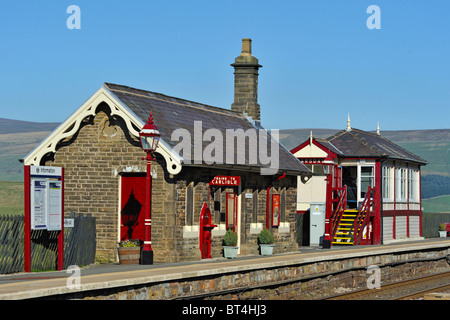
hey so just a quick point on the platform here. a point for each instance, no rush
(104, 276)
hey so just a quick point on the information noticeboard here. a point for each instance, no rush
(46, 198)
(44, 207)
(54, 210)
(38, 204)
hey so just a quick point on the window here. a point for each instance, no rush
(400, 184)
(283, 205)
(217, 206)
(366, 179)
(386, 183)
(190, 204)
(413, 184)
(255, 207)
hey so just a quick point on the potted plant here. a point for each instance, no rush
(129, 251)
(266, 240)
(229, 244)
(442, 230)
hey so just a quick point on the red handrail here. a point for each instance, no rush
(339, 211)
(363, 216)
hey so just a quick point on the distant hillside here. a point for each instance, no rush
(293, 137)
(17, 138)
(16, 126)
(431, 145)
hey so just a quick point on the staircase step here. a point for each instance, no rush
(344, 243)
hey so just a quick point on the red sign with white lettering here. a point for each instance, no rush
(226, 181)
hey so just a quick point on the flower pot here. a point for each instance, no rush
(443, 234)
(266, 249)
(129, 255)
(230, 252)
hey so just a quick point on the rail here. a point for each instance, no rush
(339, 211)
(363, 216)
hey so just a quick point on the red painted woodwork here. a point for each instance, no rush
(205, 232)
(132, 207)
(275, 210)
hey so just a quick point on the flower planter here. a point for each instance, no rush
(443, 234)
(129, 255)
(230, 252)
(266, 249)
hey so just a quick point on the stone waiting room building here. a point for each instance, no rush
(99, 148)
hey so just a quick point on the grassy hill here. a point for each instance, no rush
(18, 138)
(431, 145)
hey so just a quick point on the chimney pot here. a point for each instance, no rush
(246, 47)
(246, 82)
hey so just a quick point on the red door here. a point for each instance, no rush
(132, 207)
(205, 232)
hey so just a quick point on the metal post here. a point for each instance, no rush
(326, 243)
(61, 232)
(147, 252)
(27, 209)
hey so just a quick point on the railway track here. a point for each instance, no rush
(403, 290)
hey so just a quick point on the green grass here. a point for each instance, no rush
(11, 197)
(433, 152)
(437, 204)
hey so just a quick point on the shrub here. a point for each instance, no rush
(265, 237)
(230, 238)
(442, 226)
(129, 243)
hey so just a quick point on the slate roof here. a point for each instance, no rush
(170, 113)
(362, 144)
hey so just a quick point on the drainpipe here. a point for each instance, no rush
(268, 200)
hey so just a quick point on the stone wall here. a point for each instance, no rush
(91, 161)
(302, 281)
(102, 150)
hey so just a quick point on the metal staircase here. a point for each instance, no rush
(345, 229)
(347, 225)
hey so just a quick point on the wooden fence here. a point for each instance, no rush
(430, 223)
(79, 244)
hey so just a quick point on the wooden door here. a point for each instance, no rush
(132, 207)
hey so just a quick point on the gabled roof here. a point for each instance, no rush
(357, 143)
(171, 114)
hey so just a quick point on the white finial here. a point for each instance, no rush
(310, 137)
(349, 127)
(378, 128)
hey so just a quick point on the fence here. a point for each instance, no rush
(79, 244)
(430, 223)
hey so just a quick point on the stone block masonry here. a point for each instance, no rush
(102, 151)
(299, 279)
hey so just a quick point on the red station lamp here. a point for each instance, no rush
(327, 164)
(149, 137)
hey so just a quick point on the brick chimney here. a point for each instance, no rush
(246, 82)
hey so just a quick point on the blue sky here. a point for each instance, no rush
(320, 61)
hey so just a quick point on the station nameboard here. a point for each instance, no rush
(232, 181)
(43, 171)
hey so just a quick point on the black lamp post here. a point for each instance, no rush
(327, 165)
(149, 136)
